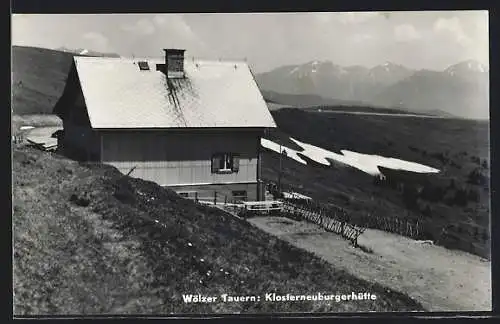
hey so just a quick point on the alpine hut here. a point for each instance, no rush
(191, 125)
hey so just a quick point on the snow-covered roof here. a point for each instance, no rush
(118, 94)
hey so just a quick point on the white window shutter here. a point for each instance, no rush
(216, 159)
(236, 163)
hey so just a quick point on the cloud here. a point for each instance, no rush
(323, 17)
(160, 20)
(169, 30)
(386, 15)
(405, 33)
(270, 40)
(142, 27)
(181, 33)
(362, 38)
(347, 18)
(151, 25)
(97, 41)
(176, 24)
(452, 27)
(356, 17)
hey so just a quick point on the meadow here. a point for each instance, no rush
(454, 203)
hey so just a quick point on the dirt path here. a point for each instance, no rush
(440, 279)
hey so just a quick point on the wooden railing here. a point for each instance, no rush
(17, 139)
(330, 222)
(412, 228)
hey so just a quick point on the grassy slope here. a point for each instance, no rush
(38, 78)
(413, 139)
(112, 257)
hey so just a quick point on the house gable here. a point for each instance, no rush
(71, 106)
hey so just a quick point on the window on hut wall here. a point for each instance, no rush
(225, 163)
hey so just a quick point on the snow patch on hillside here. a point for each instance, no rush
(364, 162)
(283, 149)
(26, 127)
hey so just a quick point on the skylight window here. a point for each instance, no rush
(143, 66)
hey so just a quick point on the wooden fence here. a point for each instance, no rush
(406, 227)
(329, 221)
(17, 139)
(216, 198)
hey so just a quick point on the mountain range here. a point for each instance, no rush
(461, 89)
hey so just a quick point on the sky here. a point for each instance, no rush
(420, 39)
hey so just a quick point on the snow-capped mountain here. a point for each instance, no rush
(86, 52)
(461, 89)
(330, 80)
(388, 73)
(465, 68)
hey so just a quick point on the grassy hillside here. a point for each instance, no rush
(89, 241)
(454, 204)
(38, 78)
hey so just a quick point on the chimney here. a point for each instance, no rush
(174, 62)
